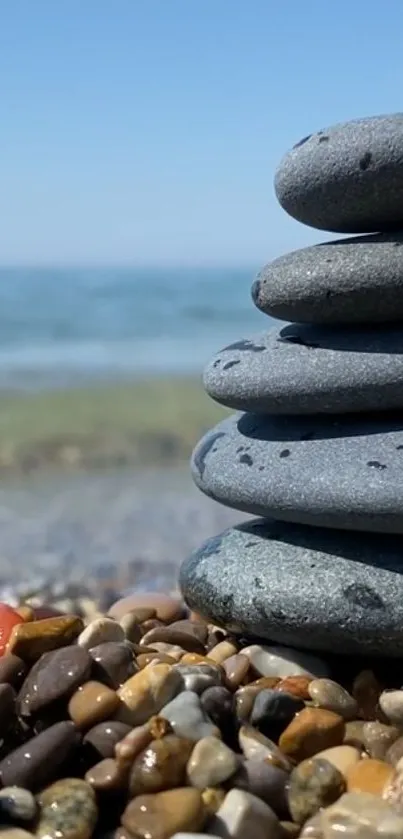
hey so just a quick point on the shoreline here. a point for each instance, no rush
(141, 422)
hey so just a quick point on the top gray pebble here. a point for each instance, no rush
(348, 178)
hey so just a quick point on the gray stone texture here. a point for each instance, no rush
(340, 471)
(302, 369)
(347, 281)
(347, 178)
(313, 588)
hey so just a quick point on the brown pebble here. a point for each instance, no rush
(108, 774)
(54, 677)
(295, 685)
(195, 658)
(223, 650)
(161, 766)
(145, 693)
(196, 629)
(378, 738)
(68, 810)
(36, 762)
(102, 738)
(213, 797)
(167, 608)
(313, 784)
(92, 703)
(354, 734)
(131, 627)
(264, 682)
(30, 640)
(159, 727)
(360, 815)
(12, 670)
(236, 668)
(327, 694)
(140, 615)
(135, 741)
(143, 660)
(114, 663)
(311, 731)
(366, 691)
(342, 757)
(162, 815)
(244, 701)
(177, 637)
(369, 776)
(26, 612)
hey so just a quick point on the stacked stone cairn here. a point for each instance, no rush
(317, 450)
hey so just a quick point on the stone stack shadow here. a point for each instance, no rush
(317, 450)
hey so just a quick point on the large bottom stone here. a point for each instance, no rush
(312, 588)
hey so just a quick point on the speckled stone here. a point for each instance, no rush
(343, 472)
(347, 178)
(347, 281)
(302, 369)
(68, 810)
(17, 805)
(259, 579)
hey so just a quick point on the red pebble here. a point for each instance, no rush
(9, 618)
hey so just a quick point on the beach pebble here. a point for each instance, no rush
(137, 739)
(222, 651)
(366, 690)
(378, 738)
(53, 678)
(131, 627)
(333, 697)
(255, 746)
(163, 814)
(395, 752)
(165, 608)
(342, 758)
(188, 718)
(17, 805)
(273, 710)
(361, 815)
(12, 670)
(244, 701)
(311, 731)
(30, 640)
(369, 775)
(266, 781)
(295, 685)
(92, 703)
(161, 766)
(283, 662)
(103, 737)
(67, 809)
(100, 631)
(186, 641)
(218, 704)
(242, 814)
(34, 763)
(236, 668)
(313, 784)
(391, 703)
(108, 775)
(7, 707)
(147, 692)
(114, 663)
(211, 763)
(199, 677)
(354, 734)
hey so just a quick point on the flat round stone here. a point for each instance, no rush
(356, 280)
(301, 369)
(339, 471)
(347, 178)
(316, 589)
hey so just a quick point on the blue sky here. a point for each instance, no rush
(148, 131)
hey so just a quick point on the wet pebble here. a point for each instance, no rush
(378, 738)
(342, 758)
(188, 717)
(311, 731)
(236, 669)
(161, 766)
(113, 663)
(391, 703)
(333, 697)
(34, 763)
(266, 781)
(54, 677)
(164, 607)
(218, 704)
(92, 703)
(296, 685)
(211, 763)
(108, 776)
(147, 692)
(102, 738)
(313, 784)
(162, 815)
(222, 651)
(131, 627)
(395, 752)
(255, 746)
(369, 775)
(68, 810)
(17, 805)
(100, 631)
(284, 661)
(199, 677)
(273, 710)
(360, 815)
(12, 670)
(7, 707)
(242, 814)
(31, 640)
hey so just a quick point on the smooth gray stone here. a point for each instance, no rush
(345, 281)
(339, 471)
(323, 590)
(347, 178)
(302, 369)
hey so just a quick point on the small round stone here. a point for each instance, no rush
(236, 668)
(67, 809)
(266, 781)
(218, 703)
(12, 670)
(333, 697)
(188, 717)
(347, 177)
(53, 678)
(109, 775)
(166, 608)
(273, 710)
(147, 692)
(211, 763)
(114, 663)
(343, 758)
(255, 746)
(199, 677)
(311, 731)
(17, 805)
(102, 738)
(369, 775)
(313, 784)
(361, 814)
(100, 631)
(33, 764)
(162, 815)
(161, 766)
(31, 640)
(391, 703)
(92, 703)
(378, 738)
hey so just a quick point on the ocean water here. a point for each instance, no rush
(64, 326)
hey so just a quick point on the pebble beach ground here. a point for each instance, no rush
(124, 528)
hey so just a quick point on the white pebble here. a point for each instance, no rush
(99, 631)
(284, 661)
